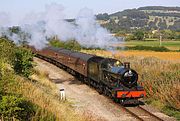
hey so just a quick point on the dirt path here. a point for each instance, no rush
(84, 98)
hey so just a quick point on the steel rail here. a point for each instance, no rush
(151, 114)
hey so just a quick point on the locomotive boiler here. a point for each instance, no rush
(108, 76)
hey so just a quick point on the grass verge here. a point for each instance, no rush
(43, 95)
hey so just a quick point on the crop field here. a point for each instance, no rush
(175, 56)
(172, 56)
(154, 43)
(172, 45)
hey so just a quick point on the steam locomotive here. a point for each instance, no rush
(108, 76)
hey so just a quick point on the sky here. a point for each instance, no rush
(29, 14)
(18, 8)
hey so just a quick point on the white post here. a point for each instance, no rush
(62, 94)
(160, 39)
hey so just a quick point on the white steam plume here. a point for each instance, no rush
(56, 24)
(89, 33)
(52, 22)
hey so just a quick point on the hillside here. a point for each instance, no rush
(150, 17)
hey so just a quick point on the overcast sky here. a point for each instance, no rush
(18, 8)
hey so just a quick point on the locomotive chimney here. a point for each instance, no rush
(126, 64)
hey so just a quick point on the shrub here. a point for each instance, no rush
(70, 44)
(149, 48)
(23, 63)
(130, 37)
(92, 48)
(6, 50)
(56, 43)
(6, 77)
(14, 107)
(9, 106)
(139, 35)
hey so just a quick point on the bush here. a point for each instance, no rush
(70, 44)
(130, 37)
(23, 64)
(12, 107)
(92, 48)
(139, 35)
(9, 107)
(6, 78)
(56, 43)
(150, 48)
(6, 50)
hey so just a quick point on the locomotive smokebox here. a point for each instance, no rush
(127, 65)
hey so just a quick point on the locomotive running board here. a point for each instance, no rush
(131, 94)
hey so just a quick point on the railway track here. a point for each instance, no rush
(141, 114)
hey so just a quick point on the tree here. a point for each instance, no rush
(103, 16)
(168, 34)
(22, 36)
(72, 45)
(139, 35)
(6, 50)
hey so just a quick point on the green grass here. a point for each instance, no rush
(147, 48)
(153, 43)
(171, 112)
(164, 108)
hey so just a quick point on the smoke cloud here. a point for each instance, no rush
(89, 32)
(51, 22)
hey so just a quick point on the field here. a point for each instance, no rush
(159, 73)
(172, 45)
(175, 56)
(171, 56)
